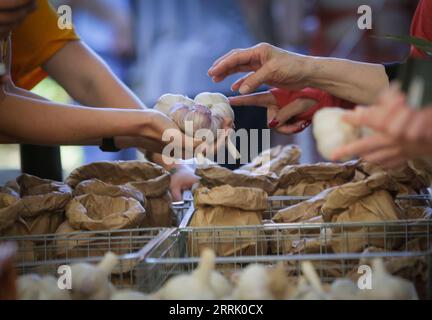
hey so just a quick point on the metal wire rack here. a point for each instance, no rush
(335, 249)
(83, 244)
(276, 203)
(151, 256)
(181, 208)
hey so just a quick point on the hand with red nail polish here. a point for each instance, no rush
(283, 119)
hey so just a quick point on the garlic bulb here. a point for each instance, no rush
(165, 102)
(90, 282)
(35, 287)
(194, 286)
(207, 111)
(343, 289)
(386, 286)
(331, 132)
(217, 103)
(253, 284)
(200, 117)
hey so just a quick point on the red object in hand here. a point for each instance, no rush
(323, 99)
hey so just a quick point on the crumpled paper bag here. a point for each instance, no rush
(274, 159)
(311, 179)
(41, 205)
(100, 188)
(71, 244)
(368, 200)
(96, 213)
(214, 176)
(126, 178)
(228, 206)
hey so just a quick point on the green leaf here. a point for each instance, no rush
(419, 43)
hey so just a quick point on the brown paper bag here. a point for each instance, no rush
(410, 179)
(126, 178)
(10, 207)
(368, 200)
(309, 180)
(71, 244)
(248, 199)
(274, 159)
(100, 188)
(92, 212)
(42, 203)
(218, 176)
(228, 206)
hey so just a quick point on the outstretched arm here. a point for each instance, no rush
(349, 80)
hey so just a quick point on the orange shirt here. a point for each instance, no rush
(35, 42)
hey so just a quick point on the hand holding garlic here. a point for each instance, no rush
(209, 111)
(331, 132)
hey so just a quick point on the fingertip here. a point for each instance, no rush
(245, 89)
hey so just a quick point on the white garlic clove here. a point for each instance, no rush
(331, 132)
(167, 101)
(209, 99)
(178, 113)
(200, 116)
(218, 104)
(223, 110)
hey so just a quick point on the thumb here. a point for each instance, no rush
(176, 193)
(255, 80)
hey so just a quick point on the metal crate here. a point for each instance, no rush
(132, 246)
(181, 208)
(402, 242)
(276, 203)
(80, 245)
(85, 244)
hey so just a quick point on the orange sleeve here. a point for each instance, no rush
(35, 42)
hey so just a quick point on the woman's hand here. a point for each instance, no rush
(278, 118)
(12, 14)
(182, 178)
(400, 132)
(267, 65)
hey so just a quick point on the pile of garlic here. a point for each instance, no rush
(260, 282)
(255, 282)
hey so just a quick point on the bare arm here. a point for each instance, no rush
(88, 79)
(350, 80)
(92, 83)
(42, 122)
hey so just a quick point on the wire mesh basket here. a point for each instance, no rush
(131, 246)
(80, 245)
(336, 250)
(276, 203)
(181, 208)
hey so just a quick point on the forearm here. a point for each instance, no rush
(92, 83)
(38, 122)
(354, 81)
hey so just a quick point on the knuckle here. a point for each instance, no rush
(264, 46)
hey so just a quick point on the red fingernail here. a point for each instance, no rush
(273, 123)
